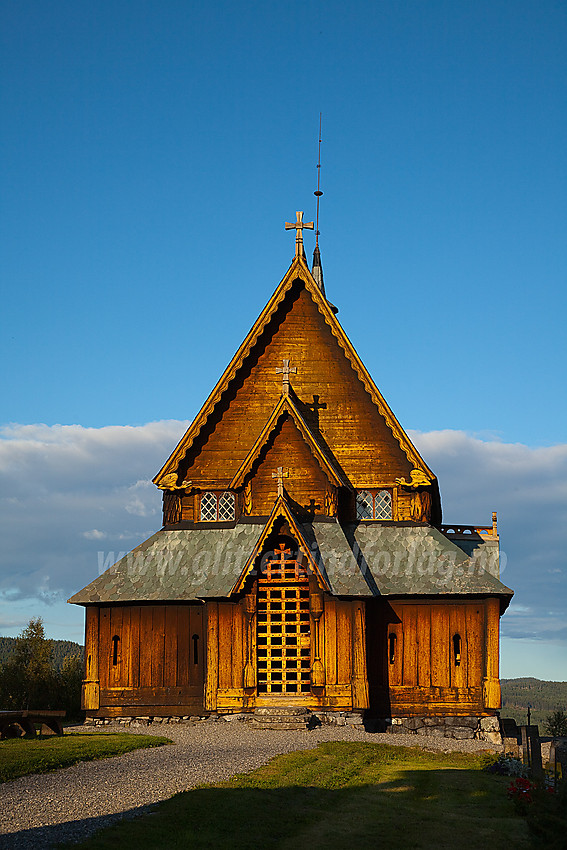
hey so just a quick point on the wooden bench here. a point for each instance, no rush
(16, 724)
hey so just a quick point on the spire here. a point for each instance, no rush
(317, 270)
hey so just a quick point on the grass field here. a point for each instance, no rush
(338, 796)
(20, 756)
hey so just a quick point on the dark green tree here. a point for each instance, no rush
(70, 679)
(556, 723)
(27, 680)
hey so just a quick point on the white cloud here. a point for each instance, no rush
(70, 489)
(528, 489)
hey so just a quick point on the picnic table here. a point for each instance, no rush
(16, 724)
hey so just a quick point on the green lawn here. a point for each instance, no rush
(338, 796)
(20, 756)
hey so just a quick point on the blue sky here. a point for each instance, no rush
(150, 156)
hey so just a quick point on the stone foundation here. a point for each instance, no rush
(461, 728)
(477, 728)
(145, 720)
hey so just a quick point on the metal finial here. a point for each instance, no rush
(318, 193)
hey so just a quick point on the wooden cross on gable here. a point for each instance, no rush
(299, 226)
(285, 373)
(280, 474)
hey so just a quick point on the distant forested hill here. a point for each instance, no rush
(61, 648)
(544, 697)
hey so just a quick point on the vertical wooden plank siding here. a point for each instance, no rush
(104, 660)
(125, 635)
(440, 676)
(457, 626)
(475, 643)
(238, 648)
(344, 642)
(409, 675)
(135, 615)
(114, 678)
(171, 639)
(395, 669)
(330, 631)
(184, 645)
(423, 631)
(196, 628)
(225, 644)
(146, 646)
(212, 679)
(158, 645)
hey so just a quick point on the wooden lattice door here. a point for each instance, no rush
(283, 630)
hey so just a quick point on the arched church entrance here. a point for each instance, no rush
(283, 640)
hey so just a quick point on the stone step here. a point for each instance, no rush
(281, 710)
(282, 717)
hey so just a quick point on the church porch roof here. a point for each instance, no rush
(362, 560)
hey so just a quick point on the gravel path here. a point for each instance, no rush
(72, 803)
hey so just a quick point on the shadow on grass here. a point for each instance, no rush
(335, 797)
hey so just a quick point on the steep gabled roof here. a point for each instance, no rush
(297, 270)
(282, 509)
(287, 406)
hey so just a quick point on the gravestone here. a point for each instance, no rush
(510, 737)
(558, 759)
(531, 749)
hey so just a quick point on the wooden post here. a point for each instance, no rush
(491, 685)
(249, 678)
(211, 676)
(316, 607)
(90, 692)
(359, 674)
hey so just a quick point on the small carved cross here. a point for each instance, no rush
(280, 474)
(299, 226)
(315, 407)
(285, 373)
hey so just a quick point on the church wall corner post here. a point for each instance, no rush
(90, 691)
(491, 683)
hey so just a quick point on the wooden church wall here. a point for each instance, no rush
(428, 658)
(323, 370)
(344, 653)
(149, 659)
(226, 649)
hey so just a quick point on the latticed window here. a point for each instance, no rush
(382, 505)
(226, 506)
(374, 504)
(217, 507)
(364, 505)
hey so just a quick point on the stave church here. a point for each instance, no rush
(302, 563)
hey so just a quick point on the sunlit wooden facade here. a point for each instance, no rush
(302, 559)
